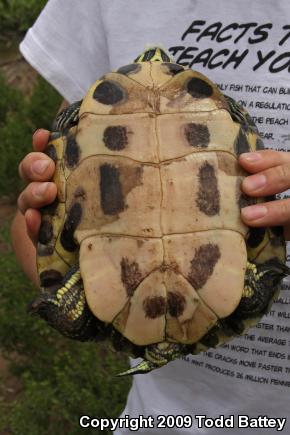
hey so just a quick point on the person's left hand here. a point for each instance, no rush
(270, 174)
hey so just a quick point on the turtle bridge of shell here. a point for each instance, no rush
(152, 196)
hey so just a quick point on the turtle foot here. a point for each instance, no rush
(64, 307)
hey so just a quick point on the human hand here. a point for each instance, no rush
(270, 174)
(36, 169)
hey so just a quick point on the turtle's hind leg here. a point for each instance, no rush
(64, 307)
(156, 356)
(261, 283)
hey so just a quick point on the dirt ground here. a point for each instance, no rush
(7, 210)
(17, 71)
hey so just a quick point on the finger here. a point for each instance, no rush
(36, 195)
(267, 214)
(33, 221)
(40, 138)
(36, 166)
(268, 182)
(260, 160)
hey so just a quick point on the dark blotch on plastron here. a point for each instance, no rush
(202, 265)
(173, 68)
(132, 68)
(198, 88)
(255, 236)
(115, 138)
(197, 135)
(112, 200)
(208, 195)
(44, 250)
(175, 303)
(241, 144)
(260, 144)
(72, 221)
(154, 306)
(50, 151)
(108, 92)
(72, 151)
(130, 275)
(229, 166)
(50, 209)
(50, 277)
(45, 234)
(245, 200)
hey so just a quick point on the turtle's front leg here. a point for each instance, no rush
(67, 118)
(64, 307)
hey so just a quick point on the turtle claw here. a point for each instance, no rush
(141, 368)
(156, 356)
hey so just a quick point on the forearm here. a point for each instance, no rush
(23, 247)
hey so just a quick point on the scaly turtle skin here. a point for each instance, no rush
(144, 244)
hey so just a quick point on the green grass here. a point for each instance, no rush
(20, 116)
(62, 379)
(59, 379)
(18, 15)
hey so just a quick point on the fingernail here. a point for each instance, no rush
(40, 189)
(40, 166)
(251, 157)
(36, 131)
(254, 182)
(254, 212)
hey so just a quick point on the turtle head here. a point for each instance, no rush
(153, 54)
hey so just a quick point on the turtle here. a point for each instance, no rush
(144, 245)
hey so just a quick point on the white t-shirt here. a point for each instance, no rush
(244, 46)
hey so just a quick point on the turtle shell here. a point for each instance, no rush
(149, 204)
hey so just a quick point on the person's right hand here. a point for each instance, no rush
(36, 169)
